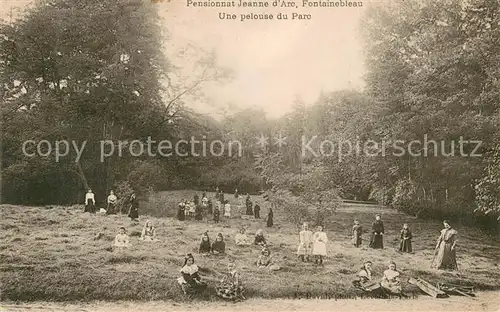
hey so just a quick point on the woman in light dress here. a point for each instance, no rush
(390, 281)
(304, 250)
(319, 245)
(148, 232)
(446, 257)
(122, 240)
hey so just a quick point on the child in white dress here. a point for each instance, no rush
(305, 243)
(319, 245)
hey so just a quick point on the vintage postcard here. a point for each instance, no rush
(237, 155)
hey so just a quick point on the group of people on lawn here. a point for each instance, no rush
(201, 209)
(312, 246)
(111, 204)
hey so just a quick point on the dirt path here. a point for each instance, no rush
(487, 301)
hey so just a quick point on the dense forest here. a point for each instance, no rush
(91, 71)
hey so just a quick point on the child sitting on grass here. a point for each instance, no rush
(241, 239)
(190, 281)
(148, 232)
(259, 238)
(230, 286)
(219, 247)
(205, 247)
(265, 260)
(122, 240)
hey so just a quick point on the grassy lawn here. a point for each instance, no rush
(52, 254)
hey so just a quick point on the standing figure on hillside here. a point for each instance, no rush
(198, 213)
(204, 202)
(249, 205)
(230, 287)
(192, 209)
(357, 231)
(256, 211)
(204, 194)
(196, 199)
(227, 209)
(133, 212)
(210, 206)
(216, 215)
(111, 209)
(190, 281)
(445, 254)
(181, 215)
(406, 237)
(390, 281)
(304, 250)
(377, 239)
(270, 217)
(89, 202)
(236, 194)
(205, 246)
(319, 245)
(218, 205)
(221, 197)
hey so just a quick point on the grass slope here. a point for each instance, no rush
(51, 254)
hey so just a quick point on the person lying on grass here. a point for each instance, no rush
(230, 287)
(122, 240)
(266, 261)
(219, 247)
(241, 239)
(390, 281)
(259, 238)
(205, 247)
(148, 232)
(190, 281)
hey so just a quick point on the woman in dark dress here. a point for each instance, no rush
(199, 213)
(256, 211)
(221, 197)
(210, 206)
(377, 239)
(406, 236)
(181, 214)
(270, 218)
(134, 208)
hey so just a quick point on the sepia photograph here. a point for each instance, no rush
(237, 155)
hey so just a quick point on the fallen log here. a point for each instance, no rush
(427, 287)
(457, 289)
